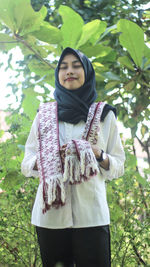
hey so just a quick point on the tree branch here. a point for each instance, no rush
(3, 42)
(138, 255)
(19, 38)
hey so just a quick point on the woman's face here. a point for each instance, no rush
(71, 73)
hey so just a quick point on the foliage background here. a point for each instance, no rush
(115, 35)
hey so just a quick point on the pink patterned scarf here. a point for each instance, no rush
(80, 162)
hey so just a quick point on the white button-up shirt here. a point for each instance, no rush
(86, 203)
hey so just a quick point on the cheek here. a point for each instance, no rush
(60, 77)
(83, 77)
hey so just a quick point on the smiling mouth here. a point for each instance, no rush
(70, 79)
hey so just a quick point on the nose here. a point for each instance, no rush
(69, 70)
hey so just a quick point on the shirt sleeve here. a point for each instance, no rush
(31, 146)
(114, 148)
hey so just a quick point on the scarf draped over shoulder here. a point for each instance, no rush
(80, 162)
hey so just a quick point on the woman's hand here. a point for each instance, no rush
(97, 152)
(35, 168)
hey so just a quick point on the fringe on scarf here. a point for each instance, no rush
(79, 166)
(52, 193)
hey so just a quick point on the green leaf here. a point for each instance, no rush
(20, 17)
(98, 67)
(130, 85)
(72, 26)
(147, 57)
(125, 61)
(111, 57)
(88, 31)
(111, 85)
(1, 133)
(97, 36)
(141, 180)
(147, 14)
(96, 51)
(7, 42)
(48, 34)
(144, 129)
(42, 69)
(109, 29)
(131, 122)
(27, 20)
(13, 179)
(6, 15)
(30, 103)
(31, 46)
(146, 51)
(132, 38)
(111, 76)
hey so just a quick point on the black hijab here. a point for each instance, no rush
(73, 105)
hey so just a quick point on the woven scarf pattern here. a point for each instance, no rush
(80, 162)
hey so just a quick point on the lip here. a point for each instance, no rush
(70, 79)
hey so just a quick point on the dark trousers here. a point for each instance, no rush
(84, 247)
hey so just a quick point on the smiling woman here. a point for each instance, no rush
(73, 146)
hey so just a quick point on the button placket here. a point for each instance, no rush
(68, 131)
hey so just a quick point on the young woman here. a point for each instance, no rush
(73, 146)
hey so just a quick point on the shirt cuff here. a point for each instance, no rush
(116, 169)
(33, 173)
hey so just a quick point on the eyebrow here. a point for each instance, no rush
(75, 61)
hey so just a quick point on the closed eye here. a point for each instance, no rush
(77, 66)
(64, 67)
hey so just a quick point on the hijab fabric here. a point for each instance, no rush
(73, 105)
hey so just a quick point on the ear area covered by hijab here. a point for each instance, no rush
(73, 105)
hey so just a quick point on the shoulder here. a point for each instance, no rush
(108, 109)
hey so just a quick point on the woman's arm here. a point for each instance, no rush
(28, 166)
(113, 166)
(98, 153)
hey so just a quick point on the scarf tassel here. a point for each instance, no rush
(52, 194)
(76, 171)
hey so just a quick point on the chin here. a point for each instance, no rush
(71, 88)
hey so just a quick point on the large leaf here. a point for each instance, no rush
(147, 51)
(108, 30)
(20, 17)
(111, 85)
(88, 31)
(40, 68)
(48, 34)
(6, 15)
(147, 56)
(132, 38)
(27, 20)
(31, 46)
(97, 36)
(130, 85)
(125, 61)
(7, 42)
(43, 70)
(72, 26)
(111, 76)
(96, 51)
(30, 103)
